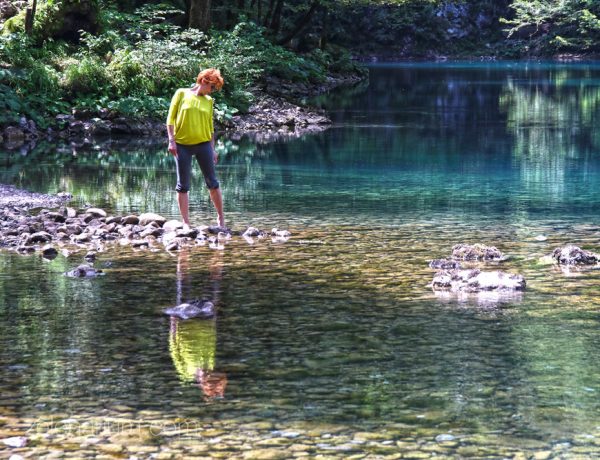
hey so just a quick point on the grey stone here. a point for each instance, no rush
(444, 264)
(39, 237)
(573, 255)
(477, 281)
(149, 217)
(84, 271)
(475, 252)
(192, 309)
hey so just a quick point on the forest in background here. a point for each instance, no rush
(127, 57)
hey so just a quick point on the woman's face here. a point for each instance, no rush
(207, 87)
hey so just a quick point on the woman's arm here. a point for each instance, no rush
(172, 145)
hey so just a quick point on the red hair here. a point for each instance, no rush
(212, 77)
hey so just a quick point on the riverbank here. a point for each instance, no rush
(281, 111)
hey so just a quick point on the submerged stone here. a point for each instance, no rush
(192, 309)
(477, 280)
(84, 271)
(476, 252)
(573, 255)
(444, 264)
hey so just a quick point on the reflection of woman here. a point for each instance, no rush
(193, 343)
(191, 134)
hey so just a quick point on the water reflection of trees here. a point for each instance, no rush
(553, 118)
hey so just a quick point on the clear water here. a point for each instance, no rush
(338, 325)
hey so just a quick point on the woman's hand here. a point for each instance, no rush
(215, 156)
(172, 147)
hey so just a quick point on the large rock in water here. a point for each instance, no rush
(192, 309)
(573, 255)
(475, 252)
(477, 281)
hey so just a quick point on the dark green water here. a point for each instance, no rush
(338, 325)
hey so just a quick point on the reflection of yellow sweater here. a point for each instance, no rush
(192, 345)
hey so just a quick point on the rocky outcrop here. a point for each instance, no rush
(573, 255)
(270, 113)
(477, 281)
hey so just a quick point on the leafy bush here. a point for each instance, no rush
(87, 76)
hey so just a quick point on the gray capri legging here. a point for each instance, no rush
(204, 155)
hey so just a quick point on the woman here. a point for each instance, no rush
(191, 134)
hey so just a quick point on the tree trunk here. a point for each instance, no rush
(276, 20)
(30, 17)
(302, 23)
(268, 13)
(324, 29)
(200, 17)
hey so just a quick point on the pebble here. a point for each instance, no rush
(445, 438)
(15, 441)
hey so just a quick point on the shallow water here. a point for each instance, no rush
(336, 333)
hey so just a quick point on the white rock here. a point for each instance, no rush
(15, 441)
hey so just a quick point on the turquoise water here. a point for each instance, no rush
(338, 325)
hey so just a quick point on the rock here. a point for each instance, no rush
(39, 237)
(172, 225)
(445, 438)
(114, 220)
(475, 252)
(173, 246)
(152, 231)
(49, 252)
(140, 243)
(96, 212)
(280, 233)
(81, 238)
(84, 271)
(187, 233)
(7, 10)
(56, 217)
(130, 220)
(573, 255)
(149, 217)
(13, 134)
(252, 231)
(192, 309)
(215, 230)
(15, 441)
(476, 281)
(71, 213)
(90, 256)
(444, 264)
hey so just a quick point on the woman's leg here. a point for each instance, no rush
(204, 156)
(217, 199)
(183, 161)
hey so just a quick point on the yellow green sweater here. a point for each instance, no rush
(192, 117)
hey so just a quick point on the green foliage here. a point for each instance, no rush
(137, 58)
(86, 76)
(549, 26)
